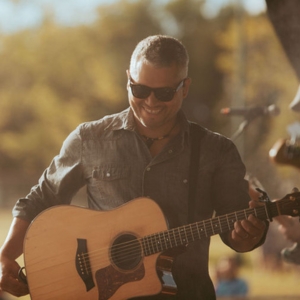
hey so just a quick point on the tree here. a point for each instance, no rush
(268, 79)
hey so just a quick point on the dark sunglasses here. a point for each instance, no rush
(164, 94)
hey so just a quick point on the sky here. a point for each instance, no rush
(19, 14)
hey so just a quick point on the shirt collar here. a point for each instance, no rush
(125, 120)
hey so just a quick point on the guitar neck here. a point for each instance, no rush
(183, 235)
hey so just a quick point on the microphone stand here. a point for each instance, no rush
(248, 119)
(240, 130)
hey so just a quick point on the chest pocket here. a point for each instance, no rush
(110, 172)
(110, 184)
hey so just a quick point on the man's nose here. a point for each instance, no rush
(151, 99)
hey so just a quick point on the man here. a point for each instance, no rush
(145, 151)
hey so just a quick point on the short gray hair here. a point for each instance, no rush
(161, 51)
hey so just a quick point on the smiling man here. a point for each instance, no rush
(145, 151)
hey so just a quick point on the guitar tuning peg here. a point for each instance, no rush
(264, 196)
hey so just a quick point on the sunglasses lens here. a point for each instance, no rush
(140, 91)
(164, 94)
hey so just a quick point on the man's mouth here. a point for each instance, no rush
(152, 111)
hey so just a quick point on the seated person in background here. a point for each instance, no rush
(228, 282)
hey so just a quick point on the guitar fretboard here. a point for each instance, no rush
(183, 235)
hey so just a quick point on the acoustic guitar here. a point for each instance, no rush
(287, 151)
(77, 253)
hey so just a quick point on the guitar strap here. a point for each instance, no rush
(196, 134)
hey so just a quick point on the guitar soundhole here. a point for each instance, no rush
(126, 252)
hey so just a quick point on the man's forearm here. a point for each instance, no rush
(13, 245)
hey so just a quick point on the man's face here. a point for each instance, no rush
(151, 112)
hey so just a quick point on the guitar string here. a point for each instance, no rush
(159, 250)
(134, 246)
(189, 235)
(128, 250)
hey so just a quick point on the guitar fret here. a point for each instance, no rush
(204, 229)
(147, 246)
(266, 210)
(191, 230)
(228, 222)
(151, 244)
(220, 226)
(158, 243)
(144, 246)
(212, 226)
(174, 237)
(165, 240)
(198, 231)
(208, 226)
(179, 236)
(170, 239)
(232, 220)
(186, 238)
(216, 225)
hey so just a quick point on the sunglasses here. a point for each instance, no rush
(164, 94)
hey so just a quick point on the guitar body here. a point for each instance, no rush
(77, 253)
(69, 252)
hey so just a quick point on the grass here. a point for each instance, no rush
(263, 283)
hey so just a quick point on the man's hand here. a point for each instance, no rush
(9, 281)
(9, 252)
(247, 233)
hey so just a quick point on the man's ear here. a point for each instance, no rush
(128, 77)
(186, 86)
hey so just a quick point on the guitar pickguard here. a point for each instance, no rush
(110, 279)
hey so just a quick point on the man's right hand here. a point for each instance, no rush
(9, 252)
(9, 279)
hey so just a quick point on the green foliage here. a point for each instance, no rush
(53, 77)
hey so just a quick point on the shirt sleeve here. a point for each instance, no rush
(233, 192)
(59, 182)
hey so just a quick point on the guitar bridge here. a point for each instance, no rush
(83, 265)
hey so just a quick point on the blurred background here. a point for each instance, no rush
(64, 62)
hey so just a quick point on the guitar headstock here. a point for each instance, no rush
(287, 151)
(289, 205)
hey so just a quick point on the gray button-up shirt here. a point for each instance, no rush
(112, 160)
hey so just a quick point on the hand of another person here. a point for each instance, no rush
(289, 227)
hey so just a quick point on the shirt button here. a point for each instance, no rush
(148, 169)
(185, 181)
(170, 151)
(107, 174)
